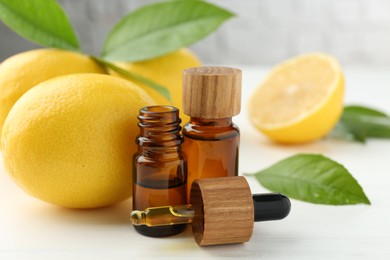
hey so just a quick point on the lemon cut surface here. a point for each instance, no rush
(300, 100)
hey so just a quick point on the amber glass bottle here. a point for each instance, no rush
(160, 172)
(211, 96)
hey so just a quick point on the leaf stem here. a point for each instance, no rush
(130, 75)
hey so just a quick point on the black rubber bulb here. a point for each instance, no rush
(270, 206)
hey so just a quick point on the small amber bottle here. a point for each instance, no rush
(211, 96)
(160, 172)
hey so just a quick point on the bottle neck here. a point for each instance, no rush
(159, 130)
(215, 122)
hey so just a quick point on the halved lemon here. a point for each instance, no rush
(300, 100)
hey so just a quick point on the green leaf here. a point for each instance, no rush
(359, 123)
(162, 90)
(40, 21)
(313, 178)
(161, 28)
(357, 109)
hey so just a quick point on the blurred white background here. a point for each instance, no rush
(264, 32)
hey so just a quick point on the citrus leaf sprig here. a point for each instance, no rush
(313, 178)
(146, 33)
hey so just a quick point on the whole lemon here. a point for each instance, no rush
(70, 140)
(21, 72)
(166, 71)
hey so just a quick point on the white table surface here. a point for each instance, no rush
(31, 229)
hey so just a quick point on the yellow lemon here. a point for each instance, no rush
(21, 72)
(300, 100)
(70, 140)
(166, 71)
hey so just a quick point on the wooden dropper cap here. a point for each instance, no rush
(224, 211)
(212, 92)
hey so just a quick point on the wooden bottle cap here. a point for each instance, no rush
(212, 92)
(224, 212)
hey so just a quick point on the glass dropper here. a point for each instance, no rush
(163, 216)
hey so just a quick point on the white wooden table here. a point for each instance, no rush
(31, 229)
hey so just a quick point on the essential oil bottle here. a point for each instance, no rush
(160, 172)
(211, 96)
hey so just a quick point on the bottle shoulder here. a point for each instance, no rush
(200, 132)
